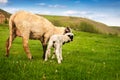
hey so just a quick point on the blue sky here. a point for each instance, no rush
(105, 11)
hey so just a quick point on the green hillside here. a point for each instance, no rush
(116, 27)
(82, 24)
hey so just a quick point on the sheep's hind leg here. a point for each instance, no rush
(9, 43)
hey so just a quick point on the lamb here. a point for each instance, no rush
(56, 41)
(31, 26)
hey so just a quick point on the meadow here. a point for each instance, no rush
(89, 57)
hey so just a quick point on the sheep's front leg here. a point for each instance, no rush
(44, 50)
(26, 48)
(44, 44)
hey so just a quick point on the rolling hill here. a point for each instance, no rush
(78, 23)
(82, 24)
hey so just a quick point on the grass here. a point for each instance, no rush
(89, 57)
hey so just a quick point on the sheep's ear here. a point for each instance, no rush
(67, 30)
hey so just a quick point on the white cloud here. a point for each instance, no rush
(41, 4)
(109, 20)
(36, 11)
(3, 1)
(11, 10)
(70, 12)
(51, 6)
(77, 13)
(56, 6)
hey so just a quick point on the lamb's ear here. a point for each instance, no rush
(67, 30)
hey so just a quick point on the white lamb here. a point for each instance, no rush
(56, 41)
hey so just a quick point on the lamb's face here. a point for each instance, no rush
(70, 35)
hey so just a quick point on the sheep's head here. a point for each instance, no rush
(67, 30)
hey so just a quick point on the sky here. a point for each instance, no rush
(105, 11)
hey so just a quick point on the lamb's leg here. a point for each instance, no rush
(9, 43)
(61, 58)
(26, 48)
(57, 52)
(47, 54)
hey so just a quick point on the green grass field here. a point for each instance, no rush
(88, 57)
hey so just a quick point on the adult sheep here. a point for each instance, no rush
(31, 26)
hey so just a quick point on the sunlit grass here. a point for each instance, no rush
(88, 57)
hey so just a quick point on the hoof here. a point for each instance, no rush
(43, 57)
(30, 58)
(45, 60)
(6, 55)
(59, 62)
